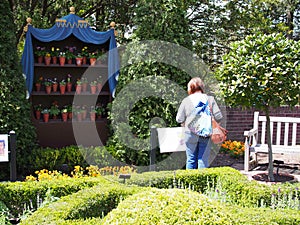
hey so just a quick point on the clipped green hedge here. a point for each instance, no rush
(183, 204)
(168, 206)
(16, 194)
(84, 207)
(238, 188)
(178, 206)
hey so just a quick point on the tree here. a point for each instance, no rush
(217, 23)
(14, 107)
(163, 21)
(262, 72)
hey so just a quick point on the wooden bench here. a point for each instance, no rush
(284, 137)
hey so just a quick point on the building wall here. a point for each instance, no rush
(238, 120)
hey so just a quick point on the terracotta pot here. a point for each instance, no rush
(93, 116)
(99, 87)
(64, 117)
(38, 114)
(46, 117)
(70, 115)
(84, 60)
(69, 87)
(48, 89)
(40, 59)
(78, 61)
(54, 59)
(93, 89)
(38, 86)
(78, 89)
(84, 114)
(69, 61)
(54, 117)
(55, 87)
(79, 116)
(93, 61)
(62, 89)
(62, 61)
(47, 60)
(84, 87)
(99, 116)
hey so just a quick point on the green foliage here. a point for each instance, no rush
(14, 107)
(237, 187)
(174, 206)
(16, 195)
(150, 86)
(89, 203)
(159, 206)
(107, 202)
(54, 158)
(165, 19)
(261, 71)
(216, 24)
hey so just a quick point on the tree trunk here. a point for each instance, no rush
(270, 152)
(289, 23)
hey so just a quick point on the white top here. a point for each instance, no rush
(188, 104)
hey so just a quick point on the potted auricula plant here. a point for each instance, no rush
(46, 114)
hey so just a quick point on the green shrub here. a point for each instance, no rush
(238, 188)
(152, 73)
(171, 206)
(14, 107)
(93, 203)
(18, 194)
(54, 158)
(168, 205)
(177, 206)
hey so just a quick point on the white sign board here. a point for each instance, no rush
(3, 148)
(171, 139)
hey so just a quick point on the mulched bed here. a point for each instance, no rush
(285, 172)
(223, 159)
(279, 178)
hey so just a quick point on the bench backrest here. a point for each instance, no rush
(284, 130)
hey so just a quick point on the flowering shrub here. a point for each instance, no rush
(116, 170)
(46, 175)
(78, 172)
(233, 148)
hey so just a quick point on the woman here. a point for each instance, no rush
(197, 147)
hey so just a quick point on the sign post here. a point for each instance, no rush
(13, 156)
(153, 146)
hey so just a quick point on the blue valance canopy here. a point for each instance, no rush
(64, 27)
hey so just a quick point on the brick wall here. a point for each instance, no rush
(238, 120)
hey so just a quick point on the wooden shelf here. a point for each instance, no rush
(57, 133)
(59, 121)
(70, 66)
(87, 93)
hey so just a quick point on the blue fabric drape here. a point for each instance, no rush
(58, 33)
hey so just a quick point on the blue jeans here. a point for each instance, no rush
(197, 151)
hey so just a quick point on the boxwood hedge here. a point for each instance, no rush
(238, 188)
(178, 206)
(15, 195)
(84, 207)
(91, 205)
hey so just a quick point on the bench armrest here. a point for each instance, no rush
(251, 132)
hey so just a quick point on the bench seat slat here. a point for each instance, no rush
(276, 148)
